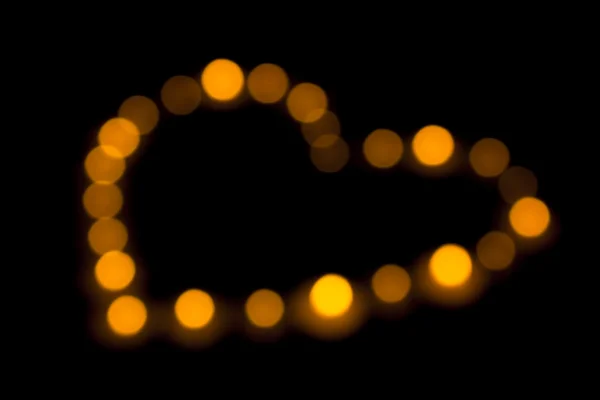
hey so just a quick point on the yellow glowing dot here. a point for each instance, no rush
(100, 166)
(451, 265)
(328, 124)
(181, 95)
(517, 182)
(267, 83)
(119, 137)
(222, 80)
(102, 200)
(115, 270)
(433, 145)
(306, 102)
(194, 309)
(489, 157)
(529, 217)
(127, 315)
(331, 296)
(329, 153)
(142, 111)
(264, 308)
(107, 234)
(391, 283)
(383, 148)
(496, 250)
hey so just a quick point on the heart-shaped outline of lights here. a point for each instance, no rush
(330, 305)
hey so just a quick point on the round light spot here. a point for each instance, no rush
(516, 183)
(102, 200)
(331, 296)
(329, 153)
(264, 308)
(101, 167)
(222, 80)
(391, 283)
(489, 157)
(451, 265)
(119, 137)
(306, 102)
(127, 315)
(383, 148)
(114, 270)
(496, 250)
(107, 234)
(328, 124)
(433, 145)
(267, 83)
(142, 111)
(181, 95)
(194, 309)
(529, 217)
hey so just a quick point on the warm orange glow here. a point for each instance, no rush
(383, 148)
(222, 80)
(496, 250)
(264, 308)
(267, 83)
(391, 283)
(529, 217)
(433, 145)
(126, 315)
(328, 124)
(119, 137)
(450, 265)
(142, 111)
(329, 153)
(100, 166)
(489, 157)
(194, 309)
(102, 200)
(307, 102)
(517, 182)
(107, 234)
(181, 95)
(114, 270)
(331, 296)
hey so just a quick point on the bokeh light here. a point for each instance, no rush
(307, 102)
(331, 296)
(529, 217)
(142, 111)
(391, 283)
(119, 137)
(194, 309)
(496, 250)
(181, 95)
(383, 148)
(329, 153)
(107, 234)
(102, 200)
(450, 265)
(102, 167)
(433, 146)
(115, 270)
(517, 182)
(328, 124)
(264, 308)
(126, 315)
(267, 83)
(489, 157)
(222, 80)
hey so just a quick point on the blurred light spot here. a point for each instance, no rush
(100, 166)
(391, 283)
(102, 200)
(529, 217)
(489, 157)
(181, 95)
(267, 83)
(496, 250)
(126, 315)
(329, 153)
(115, 270)
(331, 296)
(222, 80)
(517, 182)
(307, 102)
(119, 137)
(107, 234)
(328, 124)
(264, 308)
(194, 309)
(142, 111)
(433, 145)
(383, 148)
(450, 265)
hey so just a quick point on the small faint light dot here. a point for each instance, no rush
(142, 111)
(529, 217)
(181, 95)
(115, 270)
(267, 83)
(194, 309)
(127, 315)
(264, 308)
(102, 200)
(391, 283)
(496, 250)
(100, 166)
(451, 265)
(119, 137)
(222, 80)
(107, 234)
(328, 124)
(329, 153)
(307, 102)
(383, 148)
(489, 157)
(331, 296)
(433, 145)
(517, 182)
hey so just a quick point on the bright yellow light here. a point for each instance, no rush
(267, 83)
(489, 157)
(306, 102)
(102, 200)
(114, 270)
(181, 95)
(516, 183)
(433, 145)
(126, 315)
(222, 80)
(101, 167)
(119, 137)
(194, 309)
(142, 111)
(264, 308)
(383, 148)
(329, 153)
(496, 250)
(391, 283)
(331, 296)
(107, 234)
(529, 217)
(451, 265)
(328, 124)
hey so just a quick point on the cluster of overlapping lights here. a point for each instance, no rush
(450, 272)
